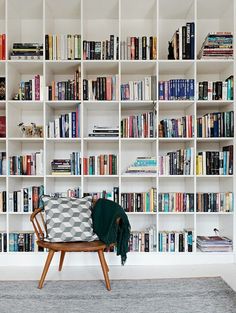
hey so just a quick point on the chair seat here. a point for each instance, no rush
(82, 246)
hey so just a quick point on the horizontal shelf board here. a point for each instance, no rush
(215, 139)
(138, 139)
(25, 139)
(214, 213)
(167, 105)
(3, 139)
(99, 61)
(63, 140)
(141, 213)
(138, 61)
(26, 176)
(101, 139)
(100, 101)
(63, 61)
(101, 176)
(3, 176)
(179, 139)
(20, 213)
(3, 213)
(24, 61)
(176, 176)
(139, 175)
(215, 176)
(63, 176)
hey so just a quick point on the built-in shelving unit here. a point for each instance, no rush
(29, 21)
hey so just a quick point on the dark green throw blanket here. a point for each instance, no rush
(105, 214)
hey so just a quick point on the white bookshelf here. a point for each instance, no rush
(27, 20)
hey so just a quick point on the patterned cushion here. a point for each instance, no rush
(68, 219)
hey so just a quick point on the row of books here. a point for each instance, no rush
(101, 50)
(181, 46)
(63, 47)
(217, 45)
(140, 201)
(176, 202)
(66, 125)
(71, 166)
(71, 192)
(3, 242)
(176, 89)
(26, 199)
(143, 165)
(104, 164)
(104, 131)
(30, 90)
(144, 89)
(176, 241)
(177, 127)
(110, 195)
(216, 90)
(139, 126)
(180, 162)
(215, 202)
(139, 48)
(65, 90)
(30, 164)
(2, 46)
(21, 242)
(26, 51)
(143, 241)
(102, 88)
(215, 162)
(3, 163)
(216, 124)
(3, 201)
(214, 244)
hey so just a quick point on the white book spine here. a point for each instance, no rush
(180, 43)
(209, 91)
(57, 128)
(224, 91)
(70, 124)
(54, 48)
(21, 208)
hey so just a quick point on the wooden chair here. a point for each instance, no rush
(98, 246)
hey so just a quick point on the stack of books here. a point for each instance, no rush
(176, 89)
(176, 202)
(140, 201)
(142, 166)
(3, 242)
(69, 193)
(214, 244)
(70, 166)
(144, 89)
(218, 90)
(103, 88)
(104, 164)
(2, 46)
(21, 242)
(104, 131)
(215, 162)
(101, 50)
(27, 51)
(217, 45)
(176, 241)
(30, 164)
(65, 90)
(31, 90)
(142, 125)
(143, 241)
(177, 127)
(216, 124)
(215, 202)
(179, 162)
(26, 199)
(3, 165)
(139, 48)
(110, 195)
(181, 46)
(3, 201)
(62, 47)
(66, 126)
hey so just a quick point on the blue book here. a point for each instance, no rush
(73, 114)
(192, 41)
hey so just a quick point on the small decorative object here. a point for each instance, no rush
(31, 130)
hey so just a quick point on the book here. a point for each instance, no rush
(144, 89)
(215, 202)
(176, 241)
(2, 88)
(176, 202)
(26, 164)
(216, 90)
(143, 241)
(177, 127)
(3, 126)
(101, 50)
(176, 89)
(104, 164)
(140, 201)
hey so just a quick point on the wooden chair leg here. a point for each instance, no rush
(61, 260)
(46, 267)
(104, 268)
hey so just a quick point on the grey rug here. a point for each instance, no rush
(189, 295)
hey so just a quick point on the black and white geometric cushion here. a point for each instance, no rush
(68, 219)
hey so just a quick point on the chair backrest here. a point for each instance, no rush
(39, 225)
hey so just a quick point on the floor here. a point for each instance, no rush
(226, 271)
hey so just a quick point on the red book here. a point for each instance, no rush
(4, 46)
(35, 194)
(28, 170)
(108, 89)
(2, 126)
(37, 87)
(110, 164)
(85, 166)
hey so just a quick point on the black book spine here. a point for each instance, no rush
(192, 40)
(219, 90)
(181, 242)
(146, 242)
(214, 91)
(151, 47)
(200, 91)
(144, 49)
(4, 201)
(85, 89)
(46, 47)
(205, 90)
(184, 34)
(136, 41)
(112, 47)
(188, 41)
